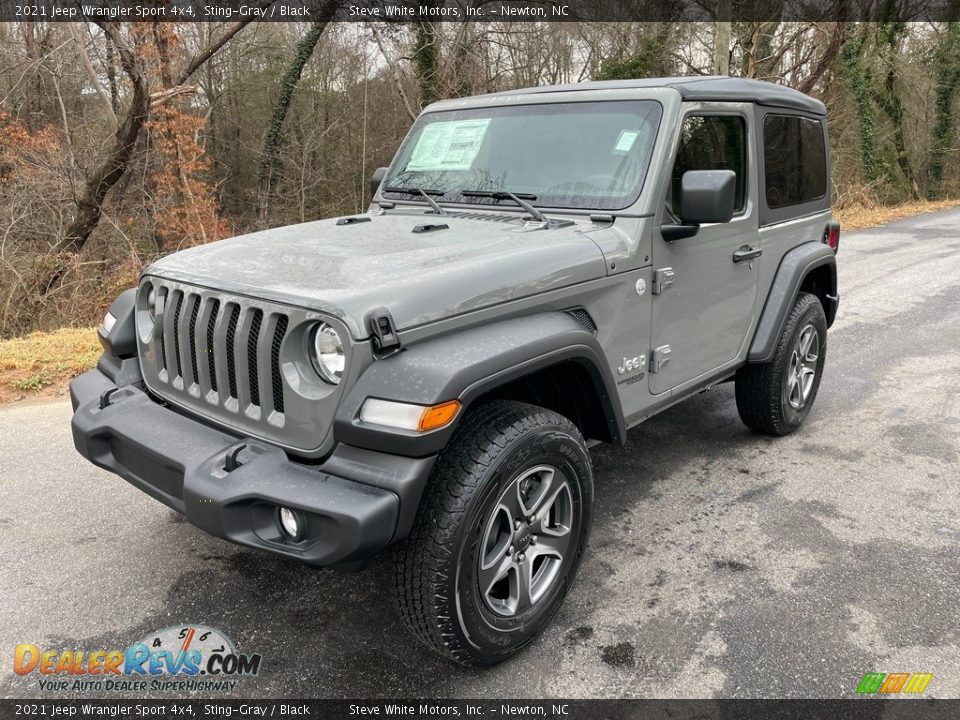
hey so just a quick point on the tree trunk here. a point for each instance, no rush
(99, 182)
(426, 60)
(890, 100)
(837, 39)
(273, 139)
(947, 81)
(721, 42)
(35, 93)
(394, 70)
(111, 170)
(112, 76)
(859, 81)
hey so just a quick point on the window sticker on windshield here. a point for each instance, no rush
(449, 145)
(625, 141)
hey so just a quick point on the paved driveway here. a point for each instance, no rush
(721, 564)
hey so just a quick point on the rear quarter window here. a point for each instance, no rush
(795, 160)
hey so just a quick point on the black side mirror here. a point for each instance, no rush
(378, 175)
(706, 196)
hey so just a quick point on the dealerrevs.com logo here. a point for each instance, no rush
(178, 659)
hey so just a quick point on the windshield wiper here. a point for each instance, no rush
(423, 193)
(519, 198)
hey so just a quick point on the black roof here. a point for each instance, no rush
(704, 88)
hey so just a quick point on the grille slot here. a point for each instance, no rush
(211, 327)
(176, 328)
(162, 355)
(278, 334)
(252, 363)
(231, 346)
(195, 301)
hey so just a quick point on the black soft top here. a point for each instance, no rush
(701, 88)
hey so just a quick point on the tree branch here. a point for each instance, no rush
(94, 80)
(197, 61)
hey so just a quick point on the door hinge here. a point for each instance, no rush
(659, 357)
(662, 279)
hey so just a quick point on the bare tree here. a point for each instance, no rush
(273, 138)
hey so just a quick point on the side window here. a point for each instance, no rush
(794, 160)
(711, 142)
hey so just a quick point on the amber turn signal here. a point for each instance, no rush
(438, 416)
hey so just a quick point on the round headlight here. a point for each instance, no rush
(328, 353)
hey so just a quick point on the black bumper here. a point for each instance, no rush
(183, 464)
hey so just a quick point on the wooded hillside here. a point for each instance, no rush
(121, 142)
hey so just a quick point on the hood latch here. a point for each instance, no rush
(385, 338)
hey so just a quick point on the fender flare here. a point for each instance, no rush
(467, 364)
(794, 268)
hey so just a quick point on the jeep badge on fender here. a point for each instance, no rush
(429, 375)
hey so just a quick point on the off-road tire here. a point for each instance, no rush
(761, 392)
(439, 566)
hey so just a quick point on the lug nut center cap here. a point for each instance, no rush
(522, 538)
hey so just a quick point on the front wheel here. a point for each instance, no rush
(500, 534)
(775, 398)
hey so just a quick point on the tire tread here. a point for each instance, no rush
(420, 574)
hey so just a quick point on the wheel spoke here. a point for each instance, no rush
(792, 389)
(497, 537)
(494, 574)
(523, 574)
(806, 382)
(552, 519)
(550, 545)
(533, 487)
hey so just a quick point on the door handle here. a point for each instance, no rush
(746, 253)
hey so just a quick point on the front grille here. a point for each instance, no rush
(187, 342)
(240, 362)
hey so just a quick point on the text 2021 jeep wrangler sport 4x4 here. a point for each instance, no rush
(539, 270)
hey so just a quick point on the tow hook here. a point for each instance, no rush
(105, 397)
(231, 462)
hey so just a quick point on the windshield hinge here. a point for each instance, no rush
(385, 338)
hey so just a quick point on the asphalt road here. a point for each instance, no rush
(721, 563)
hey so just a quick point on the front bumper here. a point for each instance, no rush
(183, 464)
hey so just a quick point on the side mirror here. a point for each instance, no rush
(378, 175)
(706, 196)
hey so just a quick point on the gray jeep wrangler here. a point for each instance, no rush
(539, 271)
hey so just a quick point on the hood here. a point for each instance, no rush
(347, 270)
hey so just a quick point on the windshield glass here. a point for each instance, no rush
(590, 155)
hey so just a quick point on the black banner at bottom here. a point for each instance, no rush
(860, 709)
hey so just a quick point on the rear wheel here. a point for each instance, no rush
(775, 398)
(500, 534)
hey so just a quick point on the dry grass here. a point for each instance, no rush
(41, 364)
(857, 217)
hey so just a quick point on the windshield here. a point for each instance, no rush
(590, 155)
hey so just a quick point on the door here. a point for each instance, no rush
(705, 285)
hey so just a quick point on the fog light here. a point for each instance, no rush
(291, 522)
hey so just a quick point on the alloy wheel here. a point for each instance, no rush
(525, 540)
(802, 370)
